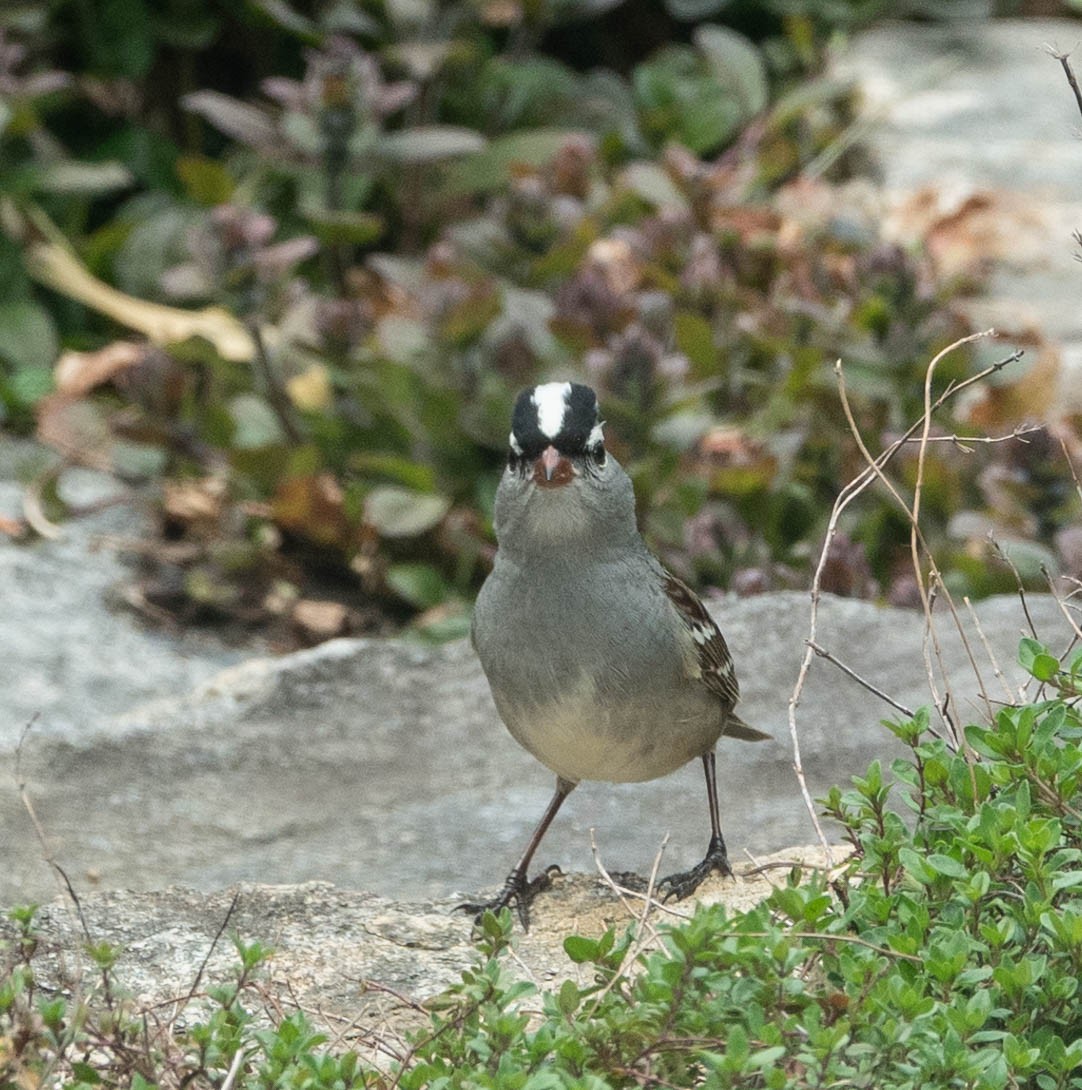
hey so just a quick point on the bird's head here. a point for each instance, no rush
(556, 434)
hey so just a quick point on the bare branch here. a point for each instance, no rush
(847, 495)
(823, 653)
(1065, 62)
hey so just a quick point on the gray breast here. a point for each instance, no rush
(590, 685)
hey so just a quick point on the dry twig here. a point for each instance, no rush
(849, 493)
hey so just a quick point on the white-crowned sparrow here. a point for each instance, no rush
(602, 664)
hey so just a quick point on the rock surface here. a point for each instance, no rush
(381, 764)
(979, 116)
(67, 655)
(353, 961)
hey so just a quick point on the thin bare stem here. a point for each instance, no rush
(823, 653)
(1061, 603)
(1068, 71)
(996, 669)
(210, 951)
(847, 495)
(1070, 466)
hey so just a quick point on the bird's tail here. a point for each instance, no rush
(735, 727)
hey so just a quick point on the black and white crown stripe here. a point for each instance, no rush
(561, 414)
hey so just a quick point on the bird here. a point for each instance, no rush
(602, 663)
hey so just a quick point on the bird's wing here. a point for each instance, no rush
(709, 658)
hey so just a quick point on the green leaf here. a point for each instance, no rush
(355, 228)
(401, 512)
(419, 584)
(1037, 660)
(204, 179)
(91, 179)
(580, 949)
(490, 169)
(85, 1073)
(248, 124)
(394, 467)
(651, 182)
(430, 144)
(28, 337)
(737, 66)
(568, 998)
(29, 385)
(691, 11)
(695, 338)
(946, 864)
(288, 19)
(255, 423)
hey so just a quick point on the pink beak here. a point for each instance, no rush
(552, 470)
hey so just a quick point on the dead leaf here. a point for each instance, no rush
(313, 507)
(311, 390)
(1035, 395)
(15, 528)
(194, 504)
(77, 429)
(614, 258)
(50, 261)
(78, 373)
(318, 621)
(965, 230)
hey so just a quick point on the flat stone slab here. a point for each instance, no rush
(976, 106)
(68, 655)
(355, 962)
(381, 765)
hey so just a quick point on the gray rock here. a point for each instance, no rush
(381, 765)
(354, 962)
(66, 655)
(979, 105)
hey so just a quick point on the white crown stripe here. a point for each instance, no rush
(551, 401)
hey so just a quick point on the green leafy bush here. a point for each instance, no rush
(343, 238)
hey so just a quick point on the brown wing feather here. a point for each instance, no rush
(715, 663)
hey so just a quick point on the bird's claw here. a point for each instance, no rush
(518, 891)
(683, 884)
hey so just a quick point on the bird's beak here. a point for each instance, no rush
(552, 470)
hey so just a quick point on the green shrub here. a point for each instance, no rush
(372, 224)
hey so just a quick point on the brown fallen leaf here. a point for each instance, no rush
(77, 429)
(316, 621)
(195, 504)
(966, 230)
(77, 373)
(313, 507)
(16, 528)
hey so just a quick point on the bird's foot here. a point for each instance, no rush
(678, 886)
(518, 891)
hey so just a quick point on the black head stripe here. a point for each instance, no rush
(581, 417)
(525, 427)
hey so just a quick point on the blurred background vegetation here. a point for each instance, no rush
(281, 266)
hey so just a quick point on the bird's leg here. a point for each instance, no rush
(518, 890)
(678, 886)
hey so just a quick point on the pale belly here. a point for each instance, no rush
(579, 739)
